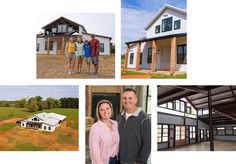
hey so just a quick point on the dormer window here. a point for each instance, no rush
(177, 24)
(62, 28)
(157, 29)
(167, 24)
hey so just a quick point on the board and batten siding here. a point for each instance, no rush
(168, 13)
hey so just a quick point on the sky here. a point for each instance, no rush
(135, 14)
(15, 92)
(97, 23)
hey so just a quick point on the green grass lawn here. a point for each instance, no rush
(27, 146)
(159, 76)
(6, 127)
(10, 112)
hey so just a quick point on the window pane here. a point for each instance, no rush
(182, 106)
(177, 105)
(131, 59)
(167, 24)
(149, 55)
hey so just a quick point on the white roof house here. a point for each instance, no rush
(165, 45)
(43, 121)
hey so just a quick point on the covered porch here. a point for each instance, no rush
(158, 55)
(34, 125)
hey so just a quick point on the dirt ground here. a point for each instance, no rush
(56, 67)
(135, 76)
(11, 138)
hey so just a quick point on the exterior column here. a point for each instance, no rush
(48, 44)
(210, 122)
(62, 46)
(173, 56)
(126, 56)
(138, 56)
(154, 55)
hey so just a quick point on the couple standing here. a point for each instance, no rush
(125, 141)
(78, 50)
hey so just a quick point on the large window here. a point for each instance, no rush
(220, 131)
(54, 29)
(101, 47)
(157, 29)
(37, 48)
(149, 59)
(167, 24)
(192, 132)
(177, 24)
(64, 28)
(141, 58)
(50, 45)
(131, 58)
(182, 54)
(162, 135)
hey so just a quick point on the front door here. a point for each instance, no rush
(179, 135)
(165, 58)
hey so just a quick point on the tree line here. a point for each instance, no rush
(37, 103)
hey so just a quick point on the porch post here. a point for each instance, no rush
(138, 56)
(62, 46)
(126, 56)
(48, 43)
(210, 122)
(173, 56)
(154, 55)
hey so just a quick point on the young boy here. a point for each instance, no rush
(87, 54)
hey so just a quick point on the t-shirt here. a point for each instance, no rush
(94, 43)
(79, 49)
(127, 115)
(87, 50)
(71, 48)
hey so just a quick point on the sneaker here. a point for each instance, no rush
(70, 72)
(93, 74)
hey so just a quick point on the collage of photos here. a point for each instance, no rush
(112, 86)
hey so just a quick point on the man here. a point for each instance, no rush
(95, 47)
(135, 131)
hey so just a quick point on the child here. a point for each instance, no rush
(87, 54)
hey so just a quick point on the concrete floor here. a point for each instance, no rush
(205, 146)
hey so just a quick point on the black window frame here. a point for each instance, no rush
(182, 57)
(141, 58)
(162, 134)
(101, 47)
(157, 29)
(131, 58)
(192, 132)
(178, 22)
(149, 56)
(167, 20)
(50, 45)
(37, 47)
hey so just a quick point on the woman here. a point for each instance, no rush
(104, 136)
(79, 53)
(70, 52)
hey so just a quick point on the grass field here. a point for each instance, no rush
(15, 138)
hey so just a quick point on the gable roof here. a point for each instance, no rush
(158, 14)
(67, 20)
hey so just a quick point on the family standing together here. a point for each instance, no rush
(126, 140)
(77, 51)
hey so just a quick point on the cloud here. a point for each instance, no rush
(45, 91)
(133, 23)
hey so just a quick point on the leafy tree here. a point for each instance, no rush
(33, 106)
(50, 102)
(43, 105)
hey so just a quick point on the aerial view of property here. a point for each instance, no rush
(76, 46)
(154, 39)
(196, 118)
(39, 118)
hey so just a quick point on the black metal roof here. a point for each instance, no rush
(223, 100)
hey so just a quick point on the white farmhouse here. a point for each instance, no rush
(43, 121)
(165, 45)
(58, 32)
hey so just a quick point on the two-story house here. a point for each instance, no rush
(165, 45)
(57, 33)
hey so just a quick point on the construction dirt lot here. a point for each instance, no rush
(56, 67)
(16, 138)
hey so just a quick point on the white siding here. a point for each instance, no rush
(168, 13)
(41, 42)
(53, 128)
(104, 40)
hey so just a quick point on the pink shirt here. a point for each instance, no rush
(103, 142)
